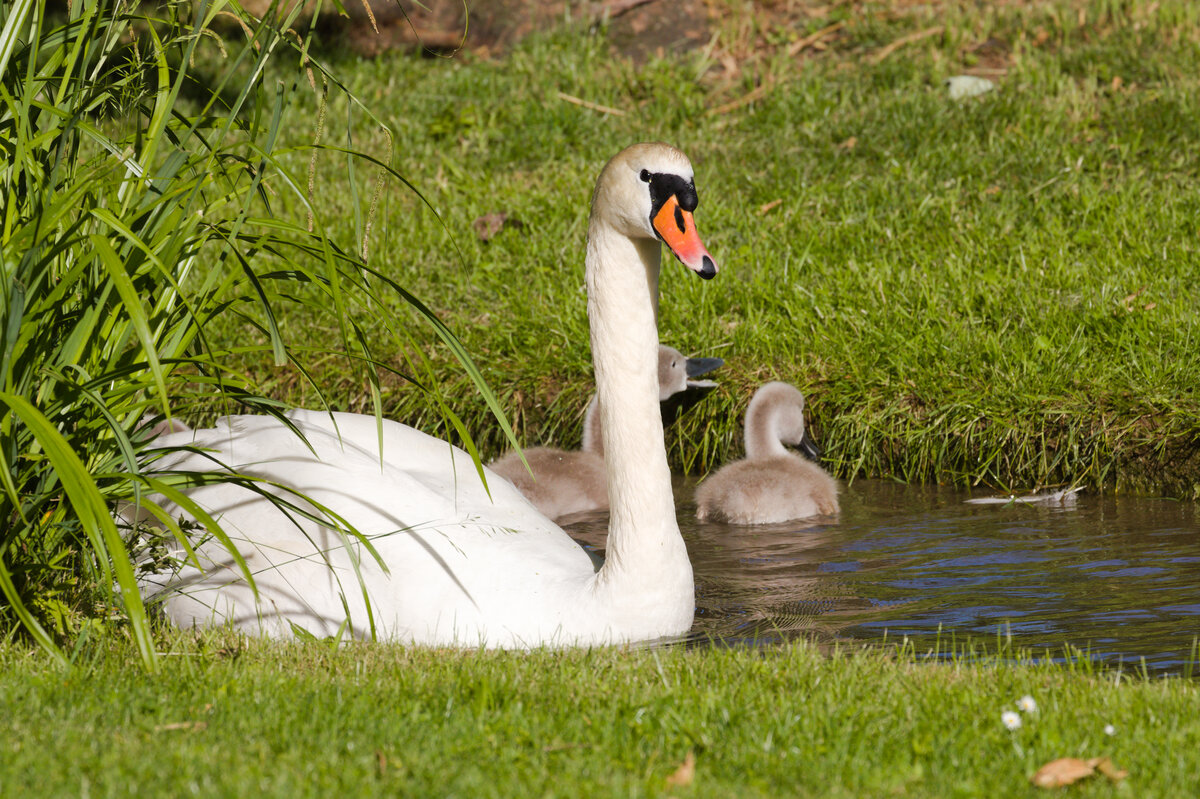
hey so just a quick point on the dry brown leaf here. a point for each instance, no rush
(1064, 771)
(1128, 301)
(1069, 770)
(764, 208)
(489, 225)
(849, 144)
(686, 772)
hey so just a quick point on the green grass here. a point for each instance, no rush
(1000, 291)
(226, 717)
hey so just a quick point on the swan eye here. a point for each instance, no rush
(645, 176)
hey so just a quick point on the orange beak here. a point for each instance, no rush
(678, 230)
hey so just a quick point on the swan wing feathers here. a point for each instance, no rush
(446, 562)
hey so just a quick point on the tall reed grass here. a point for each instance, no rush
(142, 158)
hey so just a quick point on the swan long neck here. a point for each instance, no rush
(762, 429)
(644, 543)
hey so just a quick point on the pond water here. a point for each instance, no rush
(1116, 577)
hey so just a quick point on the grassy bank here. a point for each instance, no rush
(1000, 290)
(225, 717)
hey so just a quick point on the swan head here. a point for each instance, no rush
(648, 191)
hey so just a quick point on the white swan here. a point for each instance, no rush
(455, 566)
(771, 485)
(562, 482)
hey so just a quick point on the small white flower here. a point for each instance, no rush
(1026, 704)
(1110, 729)
(1011, 720)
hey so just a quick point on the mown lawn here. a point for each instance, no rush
(225, 717)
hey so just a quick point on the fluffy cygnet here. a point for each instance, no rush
(772, 484)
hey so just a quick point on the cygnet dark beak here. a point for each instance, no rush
(809, 449)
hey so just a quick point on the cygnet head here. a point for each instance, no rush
(675, 371)
(776, 416)
(648, 191)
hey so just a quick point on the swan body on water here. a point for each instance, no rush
(563, 482)
(771, 485)
(447, 564)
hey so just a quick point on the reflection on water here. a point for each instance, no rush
(1119, 576)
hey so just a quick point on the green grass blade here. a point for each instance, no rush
(11, 32)
(132, 304)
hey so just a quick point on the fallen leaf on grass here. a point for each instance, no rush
(1069, 770)
(762, 209)
(686, 772)
(1128, 301)
(182, 725)
(849, 144)
(489, 225)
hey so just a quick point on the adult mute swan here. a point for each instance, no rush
(771, 485)
(563, 482)
(451, 564)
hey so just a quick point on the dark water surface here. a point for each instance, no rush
(1118, 576)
